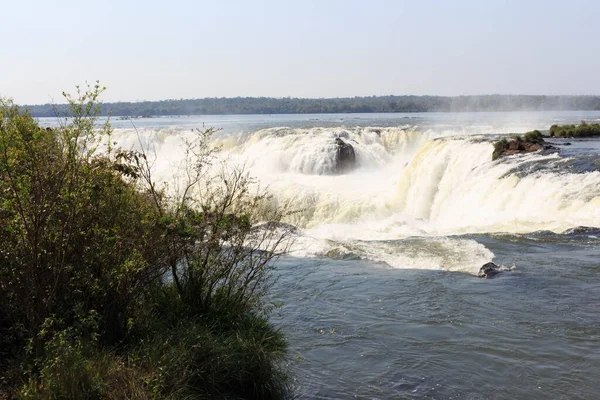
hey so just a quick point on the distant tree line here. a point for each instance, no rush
(372, 104)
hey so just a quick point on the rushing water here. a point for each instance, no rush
(379, 293)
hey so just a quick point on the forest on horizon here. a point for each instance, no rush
(369, 104)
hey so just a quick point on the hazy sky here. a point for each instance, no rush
(150, 50)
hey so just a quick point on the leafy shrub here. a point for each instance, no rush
(99, 266)
(534, 137)
(499, 147)
(76, 236)
(582, 130)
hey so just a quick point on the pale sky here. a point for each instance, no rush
(152, 50)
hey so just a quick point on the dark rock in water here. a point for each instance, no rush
(533, 142)
(489, 270)
(515, 147)
(345, 156)
(530, 148)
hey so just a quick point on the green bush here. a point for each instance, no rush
(76, 237)
(534, 137)
(499, 147)
(582, 130)
(112, 287)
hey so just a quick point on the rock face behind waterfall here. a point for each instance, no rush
(345, 156)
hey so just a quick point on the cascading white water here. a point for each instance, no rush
(456, 188)
(406, 183)
(298, 165)
(312, 151)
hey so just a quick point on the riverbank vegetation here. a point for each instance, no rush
(112, 286)
(367, 104)
(582, 130)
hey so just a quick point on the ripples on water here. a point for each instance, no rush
(366, 331)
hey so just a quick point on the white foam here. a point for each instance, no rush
(407, 184)
(455, 187)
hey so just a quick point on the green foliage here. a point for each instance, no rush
(499, 147)
(241, 355)
(100, 268)
(264, 105)
(534, 137)
(76, 236)
(75, 369)
(200, 358)
(582, 130)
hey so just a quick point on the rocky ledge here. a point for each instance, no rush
(531, 142)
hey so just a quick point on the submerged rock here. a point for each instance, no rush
(489, 270)
(345, 156)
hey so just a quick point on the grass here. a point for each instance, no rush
(534, 137)
(219, 355)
